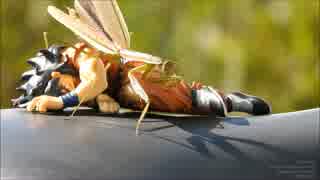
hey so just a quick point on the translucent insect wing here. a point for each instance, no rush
(102, 25)
(107, 15)
(88, 33)
(87, 16)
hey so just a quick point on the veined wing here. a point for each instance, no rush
(88, 33)
(90, 29)
(106, 15)
(88, 16)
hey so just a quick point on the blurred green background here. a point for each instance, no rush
(269, 48)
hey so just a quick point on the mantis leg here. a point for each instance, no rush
(144, 112)
(140, 92)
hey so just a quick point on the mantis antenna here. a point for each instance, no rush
(45, 37)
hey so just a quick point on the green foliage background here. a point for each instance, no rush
(269, 48)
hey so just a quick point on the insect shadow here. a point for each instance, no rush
(205, 132)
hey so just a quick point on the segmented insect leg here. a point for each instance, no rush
(144, 112)
(140, 92)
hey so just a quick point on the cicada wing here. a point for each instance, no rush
(129, 55)
(88, 33)
(107, 15)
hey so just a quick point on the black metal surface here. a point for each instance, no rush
(91, 146)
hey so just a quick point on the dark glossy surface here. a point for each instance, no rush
(92, 146)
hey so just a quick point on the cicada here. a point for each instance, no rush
(104, 64)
